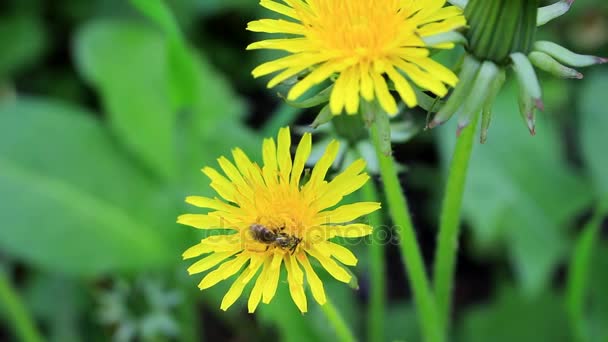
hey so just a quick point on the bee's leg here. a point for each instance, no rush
(293, 249)
(267, 246)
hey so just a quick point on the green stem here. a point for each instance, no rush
(449, 222)
(335, 319)
(377, 282)
(283, 116)
(15, 310)
(578, 274)
(410, 251)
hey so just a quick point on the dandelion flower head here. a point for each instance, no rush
(271, 218)
(358, 42)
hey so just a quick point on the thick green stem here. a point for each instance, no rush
(410, 251)
(15, 311)
(578, 272)
(334, 318)
(447, 244)
(377, 306)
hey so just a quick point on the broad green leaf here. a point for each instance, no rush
(513, 316)
(521, 193)
(71, 200)
(195, 86)
(593, 129)
(158, 11)
(127, 63)
(23, 40)
(212, 110)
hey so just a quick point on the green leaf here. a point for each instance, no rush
(127, 63)
(593, 128)
(58, 302)
(577, 283)
(195, 85)
(71, 201)
(23, 41)
(597, 305)
(158, 12)
(521, 193)
(211, 108)
(513, 316)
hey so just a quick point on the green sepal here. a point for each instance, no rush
(549, 64)
(486, 113)
(460, 93)
(320, 98)
(323, 117)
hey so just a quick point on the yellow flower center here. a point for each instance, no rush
(366, 29)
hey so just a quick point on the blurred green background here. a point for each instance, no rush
(109, 108)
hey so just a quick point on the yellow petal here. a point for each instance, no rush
(386, 100)
(286, 74)
(351, 92)
(403, 87)
(330, 265)
(269, 153)
(345, 213)
(302, 154)
(337, 98)
(423, 79)
(295, 280)
(318, 75)
(323, 165)
(345, 183)
(272, 281)
(211, 203)
(220, 184)
(284, 154)
(241, 187)
(209, 262)
(258, 288)
(239, 284)
(437, 70)
(292, 45)
(367, 85)
(196, 250)
(276, 26)
(248, 169)
(202, 221)
(225, 271)
(349, 230)
(216, 243)
(316, 286)
(341, 253)
(279, 8)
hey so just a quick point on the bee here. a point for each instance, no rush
(274, 237)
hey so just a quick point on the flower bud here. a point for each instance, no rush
(500, 28)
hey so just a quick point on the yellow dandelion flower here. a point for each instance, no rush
(361, 41)
(271, 219)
